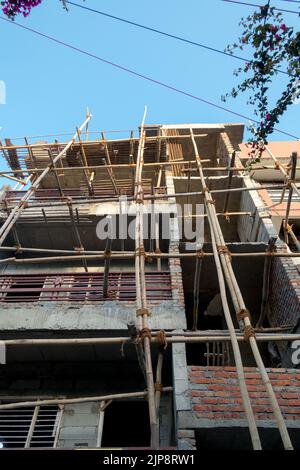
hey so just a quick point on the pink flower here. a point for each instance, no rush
(283, 27)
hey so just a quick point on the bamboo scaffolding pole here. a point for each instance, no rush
(146, 164)
(219, 214)
(69, 401)
(108, 162)
(134, 338)
(147, 197)
(107, 253)
(84, 162)
(158, 383)
(230, 174)
(16, 212)
(13, 178)
(102, 407)
(187, 337)
(266, 283)
(95, 142)
(239, 304)
(141, 298)
(31, 154)
(197, 278)
(131, 255)
(14, 230)
(256, 443)
(61, 193)
(293, 237)
(76, 234)
(234, 342)
(282, 169)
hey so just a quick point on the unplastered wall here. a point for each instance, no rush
(174, 263)
(216, 398)
(258, 226)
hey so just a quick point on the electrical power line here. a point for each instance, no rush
(163, 33)
(260, 6)
(140, 75)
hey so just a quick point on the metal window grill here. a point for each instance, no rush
(81, 287)
(30, 427)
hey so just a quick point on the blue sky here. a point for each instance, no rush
(49, 86)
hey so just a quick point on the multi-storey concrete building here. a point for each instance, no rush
(146, 296)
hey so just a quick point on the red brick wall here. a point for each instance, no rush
(215, 393)
(284, 291)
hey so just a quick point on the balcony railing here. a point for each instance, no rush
(30, 427)
(81, 287)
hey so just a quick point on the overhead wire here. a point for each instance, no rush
(140, 75)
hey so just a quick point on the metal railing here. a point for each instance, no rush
(81, 287)
(36, 426)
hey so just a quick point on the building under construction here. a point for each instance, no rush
(149, 295)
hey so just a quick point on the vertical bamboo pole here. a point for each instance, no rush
(141, 299)
(108, 162)
(239, 302)
(107, 257)
(230, 174)
(236, 351)
(84, 163)
(290, 196)
(266, 282)
(101, 424)
(198, 267)
(32, 426)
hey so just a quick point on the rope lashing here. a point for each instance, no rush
(289, 228)
(162, 339)
(249, 332)
(107, 254)
(145, 333)
(223, 250)
(23, 204)
(140, 251)
(142, 311)
(158, 387)
(243, 313)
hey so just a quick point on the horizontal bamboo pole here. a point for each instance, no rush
(131, 255)
(197, 337)
(99, 141)
(147, 197)
(67, 401)
(133, 165)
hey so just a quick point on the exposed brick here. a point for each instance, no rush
(222, 400)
